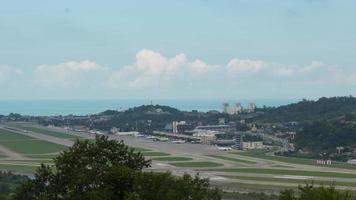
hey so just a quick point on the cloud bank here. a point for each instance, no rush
(153, 71)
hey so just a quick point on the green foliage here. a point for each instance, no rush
(107, 170)
(9, 183)
(249, 196)
(325, 136)
(144, 119)
(196, 164)
(349, 117)
(323, 108)
(309, 192)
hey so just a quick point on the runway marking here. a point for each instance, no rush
(217, 178)
(161, 164)
(295, 177)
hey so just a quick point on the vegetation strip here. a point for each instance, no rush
(44, 156)
(287, 172)
(18, 168)
(33, 147)
(171, 159)
(140, 149)
(149, 153)
(196, 164)
(42, 130)
(297, 181)
(232, 159)
(261, 154)
(7, 135)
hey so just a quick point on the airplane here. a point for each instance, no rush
(161, 139)
(178, 141)
(224, 148)
(151, 137)
(99, 133)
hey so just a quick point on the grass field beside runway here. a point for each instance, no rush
(38, 161)
(235, 186)
(286, 172)
(33, 146)
(296, 181)
(22, 168)
(282, 166)
(140, 149)
(151, 153)
(41, 129)
(196, 164)
(293, 160)
(6, 135)
(41, 156)
(27, 145)
(232, 159)
(171, 158)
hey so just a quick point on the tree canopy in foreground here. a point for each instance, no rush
(309, 192)
(107, 170)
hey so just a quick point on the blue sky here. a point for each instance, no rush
(180, 49)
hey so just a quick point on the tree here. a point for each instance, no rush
(309, 192)
(287, 195)
(105, 170)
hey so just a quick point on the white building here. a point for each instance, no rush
(232, 110)
(352, 161)
(225, 107)
(238, 108)
(175, 126)
(251, 107)
(252, 145)
(206, 136)
(323, 162)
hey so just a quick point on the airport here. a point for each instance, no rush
(25, 145)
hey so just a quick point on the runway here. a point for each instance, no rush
(199, 152)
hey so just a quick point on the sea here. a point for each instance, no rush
(86, 107)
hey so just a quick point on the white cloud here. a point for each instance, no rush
(263, 68)
(315, 65)
(150, 68)
(152, 71)
(68, 74)
(7, 72)
(237, 65)
(283, 71)
(153, 63)
(199, 66)
(250, 67)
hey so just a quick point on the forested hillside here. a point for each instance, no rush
(324, 137)
(308, 110)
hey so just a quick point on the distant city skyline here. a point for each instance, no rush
(177, 49)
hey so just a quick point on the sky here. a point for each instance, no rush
(177, 49)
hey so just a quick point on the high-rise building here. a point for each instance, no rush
(181, 127)
(221, 121)
(175, 127)
(225, 107)
(251, 107)
(232, 110)
(238, 108)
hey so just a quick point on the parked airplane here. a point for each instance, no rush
(178, 141)
(224, 148)
(151, 137)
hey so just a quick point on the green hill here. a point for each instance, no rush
(309, 110)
